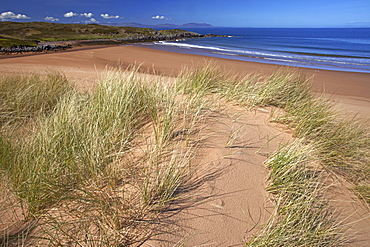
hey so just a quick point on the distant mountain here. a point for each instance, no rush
(196, 25)
(129, 24)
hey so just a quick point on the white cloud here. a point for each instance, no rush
(70, 14)
(107, 16)
(49, 18)
(88, 15)
(10, 15)
(92, 20)
(158, 17)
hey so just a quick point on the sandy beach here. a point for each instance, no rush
(350, 90)
(241, 183)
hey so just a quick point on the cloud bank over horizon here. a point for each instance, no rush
(11, 16)
(50, 18)
(87, 15)
(251, 13)
(107, 16)
(160, 17)
(72, 14)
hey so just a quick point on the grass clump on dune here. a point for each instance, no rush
(79, 140)
(342, 142)
(202, 81)
(25, 96)
(277, 90)
(95, 167)
(302, 216)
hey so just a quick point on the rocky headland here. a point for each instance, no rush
(109, 37)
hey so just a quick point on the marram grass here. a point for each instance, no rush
(302, 216)
(342, 142)
(95, 169)
(23, 96)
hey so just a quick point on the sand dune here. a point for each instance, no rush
(231, 205)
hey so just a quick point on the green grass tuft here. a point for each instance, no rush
(201, 81)
(302, 216)
(343, 145)
(93, 165)
(95, 169)
(26, 96)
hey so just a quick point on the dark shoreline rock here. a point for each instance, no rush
(38, 48)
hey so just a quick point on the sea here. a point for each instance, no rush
(340, 49)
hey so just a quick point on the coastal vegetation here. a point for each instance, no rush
(15, 34)
(99, 168)
(326, 142)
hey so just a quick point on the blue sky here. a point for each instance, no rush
(229, 13)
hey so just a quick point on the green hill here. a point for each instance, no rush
(31, 33)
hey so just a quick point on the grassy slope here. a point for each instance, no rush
(29, 33)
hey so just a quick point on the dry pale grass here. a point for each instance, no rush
(97, 169)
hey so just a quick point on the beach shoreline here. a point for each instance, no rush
(351, 90)
(216, 52)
